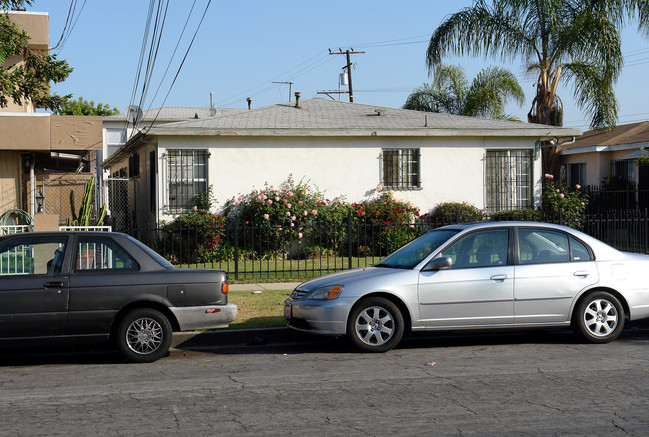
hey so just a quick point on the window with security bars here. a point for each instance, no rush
(186, 177)
(508, 180)
(623, 171)
(400, 169)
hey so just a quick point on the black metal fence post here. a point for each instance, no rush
(349, 240)
(236, 249)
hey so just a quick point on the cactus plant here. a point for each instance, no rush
(83, 218)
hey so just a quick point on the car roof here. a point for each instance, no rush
(601, 249)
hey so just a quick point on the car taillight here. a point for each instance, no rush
(224, 288)
(213, 310)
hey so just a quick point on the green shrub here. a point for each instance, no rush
(522, 215)
(456, 212)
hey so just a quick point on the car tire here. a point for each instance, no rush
(375, 324)
(144, 335)
(599, 317)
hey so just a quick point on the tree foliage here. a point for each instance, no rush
(82, 106)
(29, 80)
(451, 93)
(558, 40)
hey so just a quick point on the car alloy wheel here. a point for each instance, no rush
(599, 317)
(375, 325)
(144, 335)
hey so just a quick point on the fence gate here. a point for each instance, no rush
(123, 204)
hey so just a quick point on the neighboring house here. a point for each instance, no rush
(598, 157)
(39, 152)
(349, 149)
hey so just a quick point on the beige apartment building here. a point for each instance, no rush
(41, 153)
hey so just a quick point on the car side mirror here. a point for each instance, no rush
(444, 262)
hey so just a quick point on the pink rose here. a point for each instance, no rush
(549, 176)
(288, 205)
(288, 214)
(293, 218)
(305, 213)
(270, 202)
(578, 186)
(299, 234)
(314, 211)
(266, 216)
(562, 195)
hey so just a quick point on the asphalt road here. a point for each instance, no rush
(536, 383)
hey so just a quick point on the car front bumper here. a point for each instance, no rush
(318, 317)
(204, 317)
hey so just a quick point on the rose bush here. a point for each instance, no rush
(558, 199)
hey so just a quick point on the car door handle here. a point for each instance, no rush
(53, 284)
(498, 278)
(582, 274)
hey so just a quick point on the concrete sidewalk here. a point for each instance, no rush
(264, 286)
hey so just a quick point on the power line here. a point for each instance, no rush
(182, 63)
(70, 23)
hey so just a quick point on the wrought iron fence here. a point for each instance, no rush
(251, 251)
(616, 198)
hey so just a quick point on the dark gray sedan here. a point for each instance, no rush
(97, 286)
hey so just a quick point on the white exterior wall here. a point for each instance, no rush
(452, 169)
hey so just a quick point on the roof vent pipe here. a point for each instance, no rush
(297, 99)
(249, 100)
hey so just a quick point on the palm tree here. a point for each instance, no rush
(558, 40)
(451, 93)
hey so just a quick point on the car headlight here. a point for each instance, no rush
(328, 292)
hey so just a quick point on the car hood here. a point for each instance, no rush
(348, 277)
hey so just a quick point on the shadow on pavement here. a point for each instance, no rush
(283, 340)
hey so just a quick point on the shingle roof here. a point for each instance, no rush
(327, 115)
(624, 134)
(176, 114)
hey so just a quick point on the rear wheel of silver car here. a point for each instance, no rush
(375, 325)
(144, 335)
(599, 317)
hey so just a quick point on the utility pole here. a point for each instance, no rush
(290, 84)
(348, 52)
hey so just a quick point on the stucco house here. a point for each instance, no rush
(599, 156)
(343, 148)
(42, 153)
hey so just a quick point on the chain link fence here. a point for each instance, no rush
(56, 192)
(123, 204)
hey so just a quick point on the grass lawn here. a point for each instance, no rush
(264, 310)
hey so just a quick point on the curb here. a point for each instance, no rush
(238, 337)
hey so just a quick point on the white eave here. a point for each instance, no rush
(541, 133)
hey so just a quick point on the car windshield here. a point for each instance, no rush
(414, 252)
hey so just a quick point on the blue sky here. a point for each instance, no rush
(243, 46)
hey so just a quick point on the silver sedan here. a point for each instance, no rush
(478, 276)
